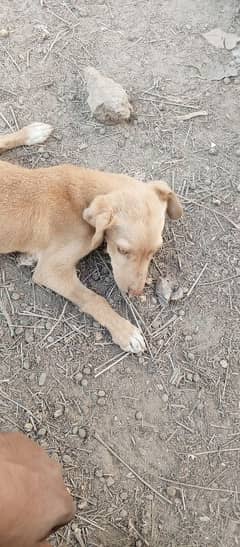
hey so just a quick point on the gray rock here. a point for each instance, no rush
(42, 379)
(107, 99)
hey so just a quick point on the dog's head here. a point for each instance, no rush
(132, 222)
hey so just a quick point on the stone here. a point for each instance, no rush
(58, 412)
(165, 397)
(29, 336)
(107, 99)
(78, 377)
(82, 433)
(15, 296)
(84, 382)
(110, 482)
(87, 371)
(42, 432)
(101, 401)
(28, 427)
(171, 491)
(67, 459)
(101, 393)
(19, 330)
(224, 363)
(42, 379)
(75, 430)
(4, 33)
(138, 415)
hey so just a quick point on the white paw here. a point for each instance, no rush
(136, 343)
(36, 133)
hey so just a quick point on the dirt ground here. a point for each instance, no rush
(172, 416)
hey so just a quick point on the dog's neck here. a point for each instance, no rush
(87, 184)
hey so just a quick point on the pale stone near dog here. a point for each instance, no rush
(107, 99)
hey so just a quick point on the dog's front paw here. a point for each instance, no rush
(129, 338)
(37, 133)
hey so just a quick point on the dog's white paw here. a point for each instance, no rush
(36, 133)
(136, 343)
(128, 337)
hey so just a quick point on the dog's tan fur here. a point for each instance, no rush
(60, 214)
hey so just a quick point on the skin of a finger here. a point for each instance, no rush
(39, 479)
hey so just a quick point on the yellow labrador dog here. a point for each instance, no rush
(60, 214)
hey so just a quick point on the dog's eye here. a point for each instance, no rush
(122, 251)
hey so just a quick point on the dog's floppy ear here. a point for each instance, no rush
(164, 192)
(99, 214)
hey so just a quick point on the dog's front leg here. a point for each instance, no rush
(62, 279)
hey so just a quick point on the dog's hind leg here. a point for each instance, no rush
(35, 133)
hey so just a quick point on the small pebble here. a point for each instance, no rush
(123, 514)
(138, 415)
(196, 377)
(165, 397)
(82, 433)
(189, 376)
(50, 339)
(4, 33)
(26, 365)
(28, 427)
(29, 336)
(102, 131)
(191, 356)
(78, 377)
(224, 363)
(58, 412)
(83, 146)
(75, 430)
(67, 459)
(98, 473)
(15, 296)
(171, 491)
(143, 298)
(216, 201)
(87, 371)
(124, 496)
(42, 379)
(42, 432)
(84, 382)
(149, 497)
(226, 81)
(156, 324)
(110, 482)
(181, 313)
(98, 336)
(19, 330)
(141, 361)
(48, 325)
(213, 151)
(101, 401)
(101, 393)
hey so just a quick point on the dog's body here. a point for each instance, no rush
(60, 214)
(33, 498)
